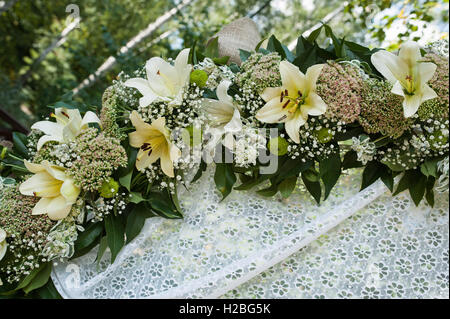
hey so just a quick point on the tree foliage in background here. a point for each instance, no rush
(29, 27)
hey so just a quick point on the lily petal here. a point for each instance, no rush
(293, 125)
(70, 191)
(58, 208)
(291, 77)
(222, 92)
(411, 104)
(315, 105)
(271, 93)
(166, 163)
(426, 72)
(49, 138)
(390, 66)
(312, 74)
(144, 88)
(89, 117)
(235, 124)
(273, 112)
(49, 128)
(41, 184)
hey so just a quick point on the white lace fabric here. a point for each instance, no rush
(227, 247)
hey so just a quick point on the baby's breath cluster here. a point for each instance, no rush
(315, 139)
(103, 207)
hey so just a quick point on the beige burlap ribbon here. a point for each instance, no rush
(239, 34)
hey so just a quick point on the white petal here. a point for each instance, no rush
(293, 125)
(235, 125)
(41, 206)
(182, 59)
(49, 128)
(49, 138)
(428, 93)
(411, 104)
(90, 117)
(3, 248)
(42, 184)
(398, 89)
(292, 78)
(390, 66)
(312, 74)
(58, 208)
(426, 71)
(33, 168)
(316, 106)
(410, 51)
(273, 112)
(162, 77)
(2, 235)
(70, 191)
(271, 93)
(222, 92)
(229, 141)
(144, 88)
(217, 111)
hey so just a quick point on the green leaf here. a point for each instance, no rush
(388, 180)
(87, 239)
(48, 291)
(429, 195)
(115, 235)
(337, 43)
(330, 170)
(28, 279)
(200, 171)
(20, 140)
(221, 61)
(372, 172)
(429, 168)
(417, 189)
(315, 34)
(351, 160)
(287, 186)
(269, 191)
(125, 181)
(162, 204)
(212, 49)
(406, 181)
(244, 55)
(136, 197)
(313, 188)
(40, 279)
(136, 220)
(292, 167)
(273, 45)
(101, 249)
(224, 178)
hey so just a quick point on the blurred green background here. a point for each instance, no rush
(42, 56)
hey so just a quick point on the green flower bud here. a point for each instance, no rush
(324, 135)
(109, 188)
(199, 77)
(282, 146)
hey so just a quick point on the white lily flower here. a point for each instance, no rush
(224, 115)
(3, 243)
(294, 101)
(165, 82)
(57, 190)
(408, 74)
(154, 143)
(68, 125)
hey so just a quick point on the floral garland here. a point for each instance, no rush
(273, 121)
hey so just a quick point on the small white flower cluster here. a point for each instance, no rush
(312, 143)
(439, 47)
(216, 74)
(249, 142)
(63, 154)
(251, 103)
(364, 148)
(103, 207)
